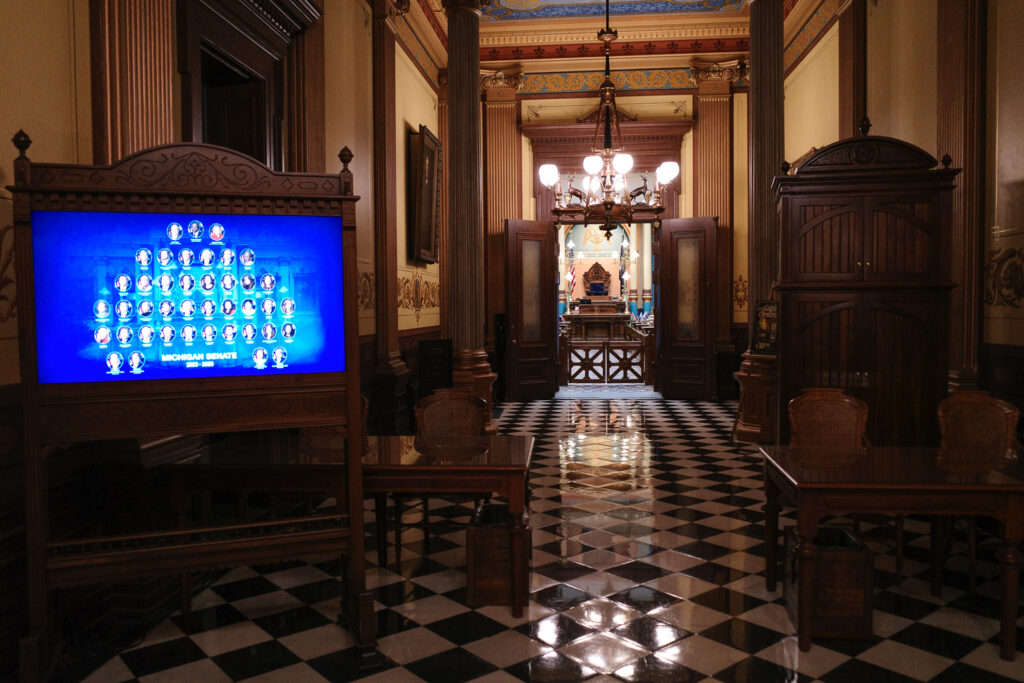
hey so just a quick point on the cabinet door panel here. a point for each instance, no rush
(900, 237)
(902, 388)
(819, 351)
(825, 243)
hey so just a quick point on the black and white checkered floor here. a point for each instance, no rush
(647, 566)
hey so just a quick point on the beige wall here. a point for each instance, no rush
(1004, 305)
(812, 98)
(348, 115)
(44, 42)
(415, 104)
(902, 70)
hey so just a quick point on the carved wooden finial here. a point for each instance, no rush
(785, 168)
(346, 156)
(946, 160)
(865, 125)
(22, 141)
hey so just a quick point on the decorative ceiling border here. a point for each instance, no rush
(590, 81)
(811, 32)
(591, 48)
(524, 36)
(499, 10)
(438, 22)
(417, 51)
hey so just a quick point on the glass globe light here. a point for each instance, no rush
(548, 175)
(592, 164)
(625, 276)
(622, 163)
(571, 244)
(667, 172)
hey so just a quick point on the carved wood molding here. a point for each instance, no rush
(8, 301)
(194, 168)
(875, 152)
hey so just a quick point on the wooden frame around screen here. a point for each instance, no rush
(179, 178)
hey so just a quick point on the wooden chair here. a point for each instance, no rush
(449, 423)
(827, 429)
(979, 434)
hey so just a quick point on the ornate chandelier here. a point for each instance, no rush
(605, 197)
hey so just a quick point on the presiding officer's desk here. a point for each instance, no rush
(892, 480)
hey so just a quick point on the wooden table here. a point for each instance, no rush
(392, 464)
(892, 481)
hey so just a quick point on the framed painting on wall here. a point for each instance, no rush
(424, 204)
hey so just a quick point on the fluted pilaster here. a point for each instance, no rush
(133, 64)
(392, 373)
(712, 148)
(502, 152)
(961, 135)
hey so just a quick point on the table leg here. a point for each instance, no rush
(1009, 559)
(771, 532)
(380, 508)
(517, 534)
(807, 527)
(941, 541)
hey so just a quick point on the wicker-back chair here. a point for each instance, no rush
(451, 423)
(979, 434)
(827, 429)
(827, 426)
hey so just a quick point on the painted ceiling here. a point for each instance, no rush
(525, 10)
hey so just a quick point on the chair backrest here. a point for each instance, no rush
(978, 431)
(826, 418)
(450, 419)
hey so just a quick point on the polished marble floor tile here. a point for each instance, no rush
(647, 565)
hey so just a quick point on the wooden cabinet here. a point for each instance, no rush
(864, 285)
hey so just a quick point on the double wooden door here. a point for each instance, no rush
(683, 253)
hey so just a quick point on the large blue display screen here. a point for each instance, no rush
(138, 296)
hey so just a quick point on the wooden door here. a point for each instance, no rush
(685, 307)
(531, 303)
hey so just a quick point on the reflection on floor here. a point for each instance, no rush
(647, 566)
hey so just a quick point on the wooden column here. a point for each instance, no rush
(133, 68)
(464, 296)
(853, 60)
(502, 174)
(392, 374)
(712, 149)
(758, 375)
(961, 137)
(442, 239)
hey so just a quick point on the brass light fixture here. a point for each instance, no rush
(605, 198)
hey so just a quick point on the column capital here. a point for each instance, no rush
(500, 87)
(718, 78)
(452, 6)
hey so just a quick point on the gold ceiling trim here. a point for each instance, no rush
(738, 30)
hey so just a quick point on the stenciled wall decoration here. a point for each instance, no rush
(1004, 278)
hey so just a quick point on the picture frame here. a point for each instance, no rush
(424, 195)
(766, 328)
